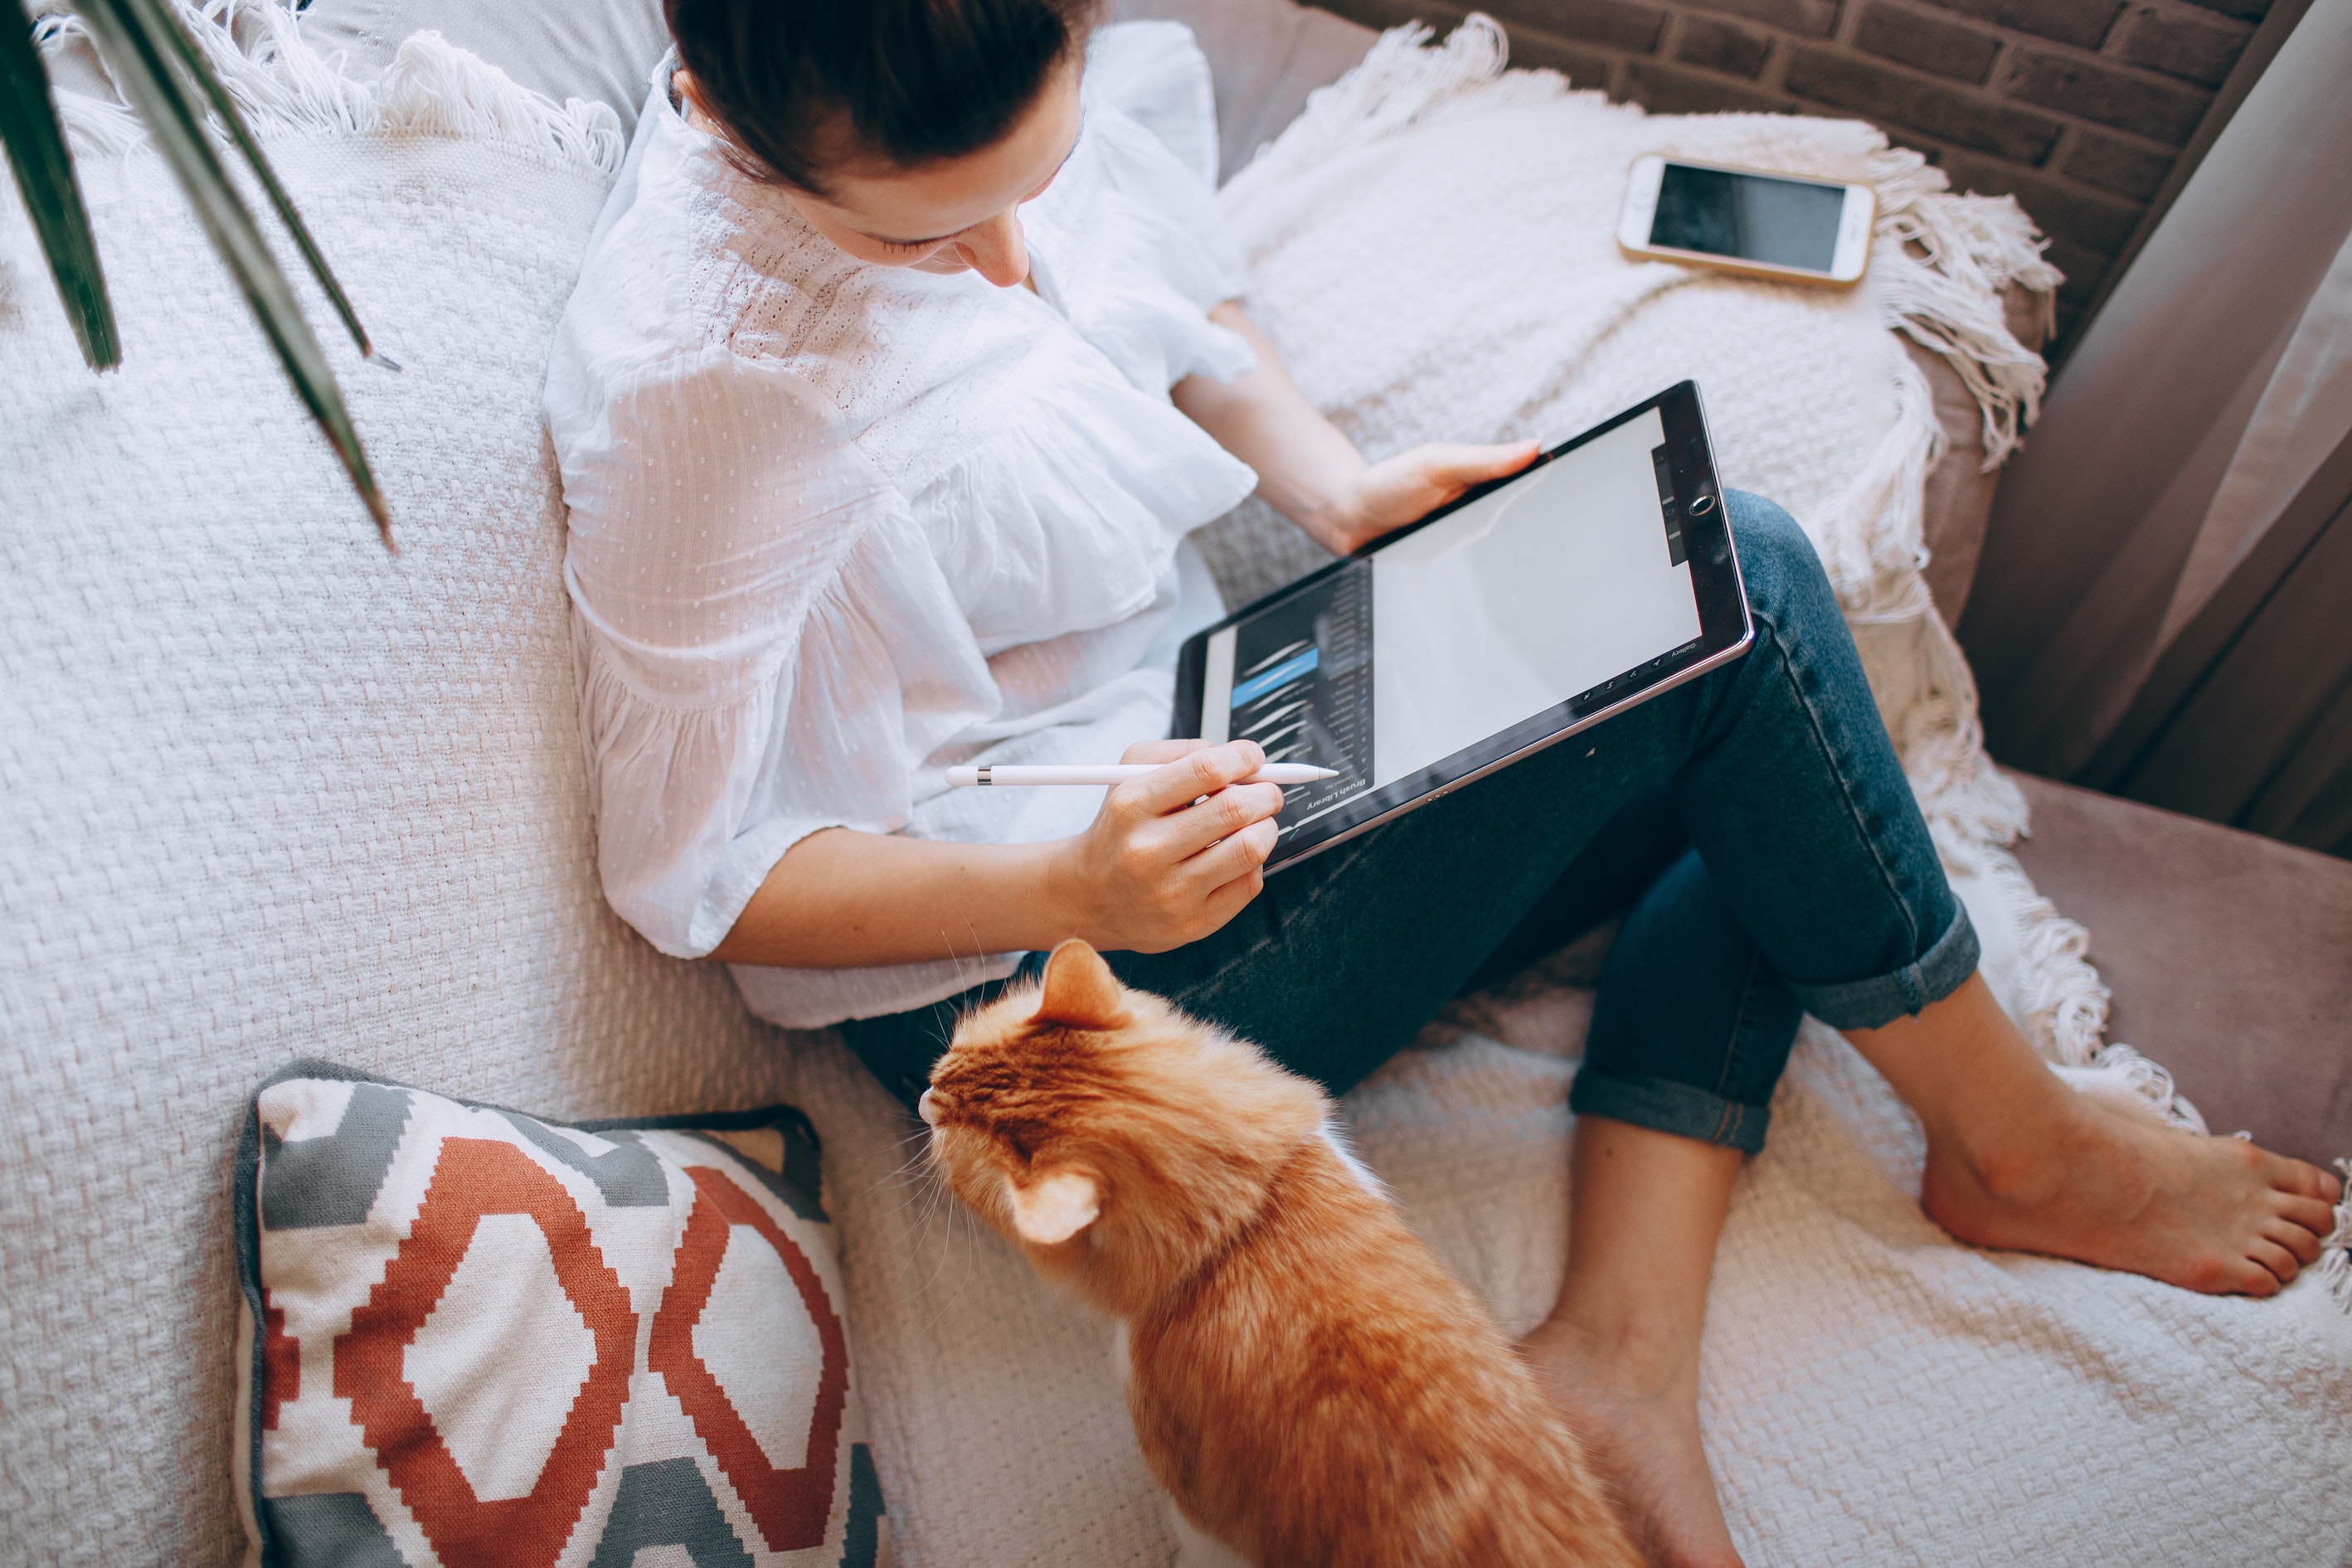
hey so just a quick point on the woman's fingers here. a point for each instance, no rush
(1468, 465)
(1223, 903)
(1158, 751)
(1235, 855)
(1226, 814)
(1449, 467)
(1177, 851)
(1184, 780)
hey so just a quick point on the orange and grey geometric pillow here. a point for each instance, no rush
(471, 1336)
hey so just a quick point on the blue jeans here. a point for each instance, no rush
(1809, 884)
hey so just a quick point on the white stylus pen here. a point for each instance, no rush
(1120, 773)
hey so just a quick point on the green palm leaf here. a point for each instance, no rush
(193, 62)
(45, 177)
(157, 69)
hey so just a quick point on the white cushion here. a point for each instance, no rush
(1266, 55)
(601, 51)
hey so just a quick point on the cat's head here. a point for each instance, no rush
(1116, 1139)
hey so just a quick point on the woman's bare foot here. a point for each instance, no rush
(2217, 1215)
(2017, 1159)
(1636, 1407)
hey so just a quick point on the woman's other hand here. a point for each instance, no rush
(1310, 472)
(1173, 855)
(1409, 487)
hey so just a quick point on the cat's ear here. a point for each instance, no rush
(1055, 1207)
(1080, 989)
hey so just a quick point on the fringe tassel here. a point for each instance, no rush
(2334, 1268)
(284, 88)
(1973, 812)
(1939, 263)
(1876, 530)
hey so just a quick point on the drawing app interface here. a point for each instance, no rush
(1541, 592)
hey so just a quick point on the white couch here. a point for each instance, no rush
(270, 793)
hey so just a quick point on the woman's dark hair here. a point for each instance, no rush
(803, 85)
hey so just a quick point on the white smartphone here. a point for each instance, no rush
(1744, 220)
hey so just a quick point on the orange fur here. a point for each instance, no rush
(1307, 1380)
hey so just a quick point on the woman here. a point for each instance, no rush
(910, 351)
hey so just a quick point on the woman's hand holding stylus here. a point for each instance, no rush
(1173, 855)
(1153, 872)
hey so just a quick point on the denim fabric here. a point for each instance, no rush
(1810, 882)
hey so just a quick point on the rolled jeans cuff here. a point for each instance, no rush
(1663, 1105)
(1883, 999)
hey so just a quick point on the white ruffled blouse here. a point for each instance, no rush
(836, 526)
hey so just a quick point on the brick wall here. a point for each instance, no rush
(2077, 107)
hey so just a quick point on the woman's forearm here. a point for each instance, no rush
(1312, 474)
(841, 899)
(1307, 469)
(1169, 858)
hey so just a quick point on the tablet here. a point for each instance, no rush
(1530, 608)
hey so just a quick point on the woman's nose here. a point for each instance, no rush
(996, 250)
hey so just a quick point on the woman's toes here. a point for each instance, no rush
(2330, 1190)
(2312, 1216)
(2276, 1260)
(2296, 1238)
(2301, 1178)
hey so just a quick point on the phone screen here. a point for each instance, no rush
(1753, 217)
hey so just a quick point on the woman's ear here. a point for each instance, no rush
(696, 112)
(1055, 1207)
(1080, 989)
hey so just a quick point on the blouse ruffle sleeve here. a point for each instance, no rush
(1155, 254)
(1068, 517)
(767, 646)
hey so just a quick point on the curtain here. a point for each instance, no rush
(2165, 604)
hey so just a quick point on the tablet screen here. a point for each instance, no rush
(1535, 594)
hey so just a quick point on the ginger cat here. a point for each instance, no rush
(1307, 1380)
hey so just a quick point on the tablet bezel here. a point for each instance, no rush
(1726, 632)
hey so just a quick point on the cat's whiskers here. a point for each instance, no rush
(931, 1238)
(964, 1245)
(943, 1249)
(912, 1172)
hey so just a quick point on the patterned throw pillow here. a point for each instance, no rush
(473, 1337)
